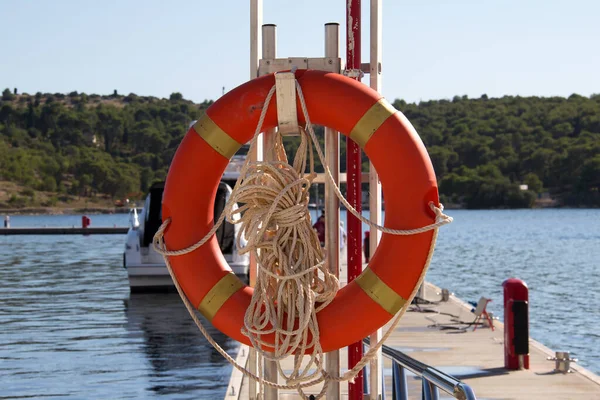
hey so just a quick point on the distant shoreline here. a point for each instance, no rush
(125, 210)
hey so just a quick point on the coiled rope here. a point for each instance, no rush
(292, 273)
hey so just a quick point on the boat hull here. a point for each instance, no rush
(156, 277)
(146, 279)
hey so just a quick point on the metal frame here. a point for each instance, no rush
(256, 15)
(268, 64)
(376, 364)
(269, 50)
(353, 185)
(332, 205)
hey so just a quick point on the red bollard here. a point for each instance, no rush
(516, 324)
(85, 221)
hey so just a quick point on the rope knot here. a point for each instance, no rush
(440, 217)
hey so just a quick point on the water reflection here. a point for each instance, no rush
(70, 328)
(181, 359)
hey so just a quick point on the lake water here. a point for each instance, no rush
(71, 329)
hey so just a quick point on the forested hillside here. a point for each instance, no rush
(482, 149)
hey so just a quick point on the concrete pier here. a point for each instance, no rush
(430, 333)
(477, 358)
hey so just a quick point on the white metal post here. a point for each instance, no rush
(332, 205)
(269, 51)
(256, 16)
(256, 13)
(376, 364)
(269, 41)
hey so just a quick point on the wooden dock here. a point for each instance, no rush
(428, 333)
(117, 230)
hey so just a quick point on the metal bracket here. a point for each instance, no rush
(353, 73)
(268, 66)
(366, 68)
(285, 90)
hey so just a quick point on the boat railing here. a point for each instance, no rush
(432, 380)
(134, 220)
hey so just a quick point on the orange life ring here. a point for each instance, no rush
(391, 143)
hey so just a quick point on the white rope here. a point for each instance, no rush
(291, 264)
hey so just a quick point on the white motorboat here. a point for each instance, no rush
(146, 268)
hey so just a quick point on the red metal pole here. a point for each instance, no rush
(353, 187)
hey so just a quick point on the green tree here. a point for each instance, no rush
(49, 184)
(176, 96)
(533, 182)
(7, 95)
(110, 126)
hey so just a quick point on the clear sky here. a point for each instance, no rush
(432, 49)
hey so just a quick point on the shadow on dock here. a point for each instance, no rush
(462, 373)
